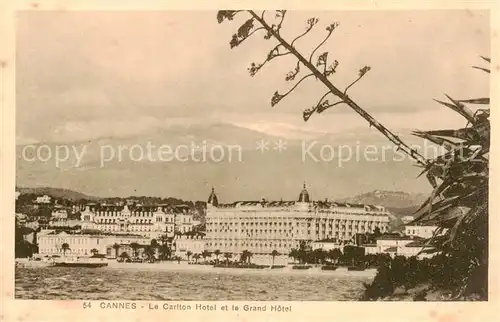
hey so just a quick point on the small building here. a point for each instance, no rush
(398, 246)
(188, 243)
(326, 245)
(43, 199)
(415, 248)
(21, 218)
(59, 213)
(407, 219)
(370, 249)
(33, 224)
(81, 244)
(387, 243)
(420, 231)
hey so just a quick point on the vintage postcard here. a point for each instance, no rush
(263, 161)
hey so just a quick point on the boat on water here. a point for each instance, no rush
(94, 261)
(79, 264)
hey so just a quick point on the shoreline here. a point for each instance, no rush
(185, 267)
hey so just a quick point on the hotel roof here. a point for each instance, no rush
(315, 204)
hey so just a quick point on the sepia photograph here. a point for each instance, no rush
(252, 155)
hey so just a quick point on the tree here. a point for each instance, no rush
(274, 253)
(459, 201)
(334, 255)
(124, 255)
(459, 177)
(245, 256)
(205, 254)
(249, 256)
(196, 257)
(165, 252)
(188, 254)
(217, 253)
(318, 256)
(164, 239)
(149, 252)
(294, 254)
(116, 247)
(65, 247)
(227, 256)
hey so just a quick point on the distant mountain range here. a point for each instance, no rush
(396, 201)
(258, 174)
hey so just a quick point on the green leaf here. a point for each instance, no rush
(459, 108)
(462, 134)
(484, 100)
(486, 58)
(481, 68)
(447, 144)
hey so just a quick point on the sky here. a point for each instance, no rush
(85, 75)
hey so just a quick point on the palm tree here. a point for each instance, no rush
(244, 256)
(165, 252)
(124, 255)
(205, 254)
(196, 257)
(94, 251)
(227, 256)
(135, 247)
(188, 254)
(149, 252)
(334, 255)
(294, 253)
(164, 239)
(116, 247)
(64, 248)
(154, 245)
(318, 256)
(249, 256)
(217, 253)
(274, 253)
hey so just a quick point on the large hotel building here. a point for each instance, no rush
(264, 226)
(150, 221)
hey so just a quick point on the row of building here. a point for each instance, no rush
(260, 227)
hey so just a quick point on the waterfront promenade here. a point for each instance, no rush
(183, 266)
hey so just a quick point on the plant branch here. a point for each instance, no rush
(254, 31)
(282, 12)
(297, 84)
(277, 97)
(320, 44)
(308, 29)
(362, 73)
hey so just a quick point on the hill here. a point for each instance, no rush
(397, 201)
(58, 193)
